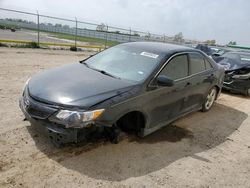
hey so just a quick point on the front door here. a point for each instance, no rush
(166, 103)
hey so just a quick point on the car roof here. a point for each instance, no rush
(159, 47)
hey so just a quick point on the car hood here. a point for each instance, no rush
(232, 64)
(75, 85)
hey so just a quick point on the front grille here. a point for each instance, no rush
(36, 109)
(227, 78)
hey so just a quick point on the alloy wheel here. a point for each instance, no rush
(210, 98)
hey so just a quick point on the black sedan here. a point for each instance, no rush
(237, 69)
(136, 87)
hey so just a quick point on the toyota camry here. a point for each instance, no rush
(132, 87)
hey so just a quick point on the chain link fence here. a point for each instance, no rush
(73, 32)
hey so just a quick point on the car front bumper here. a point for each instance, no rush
(238, 86)
(58, 134)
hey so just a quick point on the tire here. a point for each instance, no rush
(209, 101)
(248, 92)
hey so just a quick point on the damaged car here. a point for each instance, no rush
(237, 71)
(136, 87)
(205, 48)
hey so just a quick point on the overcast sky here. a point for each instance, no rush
(222, 20)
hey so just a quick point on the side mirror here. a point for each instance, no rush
(215, 54)
(163, 80)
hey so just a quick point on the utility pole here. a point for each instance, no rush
(106, 37)
(76, 33)
(38, 29)
(129, 34)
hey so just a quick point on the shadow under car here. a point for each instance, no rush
(133, 157)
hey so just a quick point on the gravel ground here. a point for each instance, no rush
(200, 150)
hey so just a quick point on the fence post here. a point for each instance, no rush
(75, 32)
(38, 29)
(106, 40)
(130, 34)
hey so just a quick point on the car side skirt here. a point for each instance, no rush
(148, 131)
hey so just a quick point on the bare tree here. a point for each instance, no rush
(179, 37)
(101, 27)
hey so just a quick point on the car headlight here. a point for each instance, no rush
(24, 86)
(76, 119)
(26, 83)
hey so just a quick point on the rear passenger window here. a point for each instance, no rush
(176, 68)
(208, 65)
(197, 63)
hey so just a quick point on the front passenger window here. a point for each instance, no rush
(176, 68)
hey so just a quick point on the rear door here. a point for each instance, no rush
(200, 80)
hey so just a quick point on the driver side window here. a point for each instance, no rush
(176, 68)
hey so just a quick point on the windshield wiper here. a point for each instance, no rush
(101, 71)
(108, 74)
(83, 62)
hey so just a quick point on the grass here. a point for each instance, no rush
(8, 26)
(33, 44)
(95, 41)
(3, 45)
(27, 45)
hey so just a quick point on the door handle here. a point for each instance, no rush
(187, 84)
(211, 76)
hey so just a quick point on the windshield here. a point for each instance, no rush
(244, 58)
(125, 62)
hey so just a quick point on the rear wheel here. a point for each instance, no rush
(211, 96)
(248, 92)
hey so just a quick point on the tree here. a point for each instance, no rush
(232, 43)
(211, 42)
(101, 27)
(148, 36)
(66, 26)
(179, 37)
(58, 25)
(136, 33)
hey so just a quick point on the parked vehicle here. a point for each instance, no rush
(220, 52)
(205, 48)
(139, 87)
(237, 71)
(12, 29)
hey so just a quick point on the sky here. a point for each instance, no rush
(222, 20)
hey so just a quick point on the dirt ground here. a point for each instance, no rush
(200, 150)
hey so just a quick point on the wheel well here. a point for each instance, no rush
(132, 122)
(217, 89)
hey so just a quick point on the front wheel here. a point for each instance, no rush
(211, 96)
